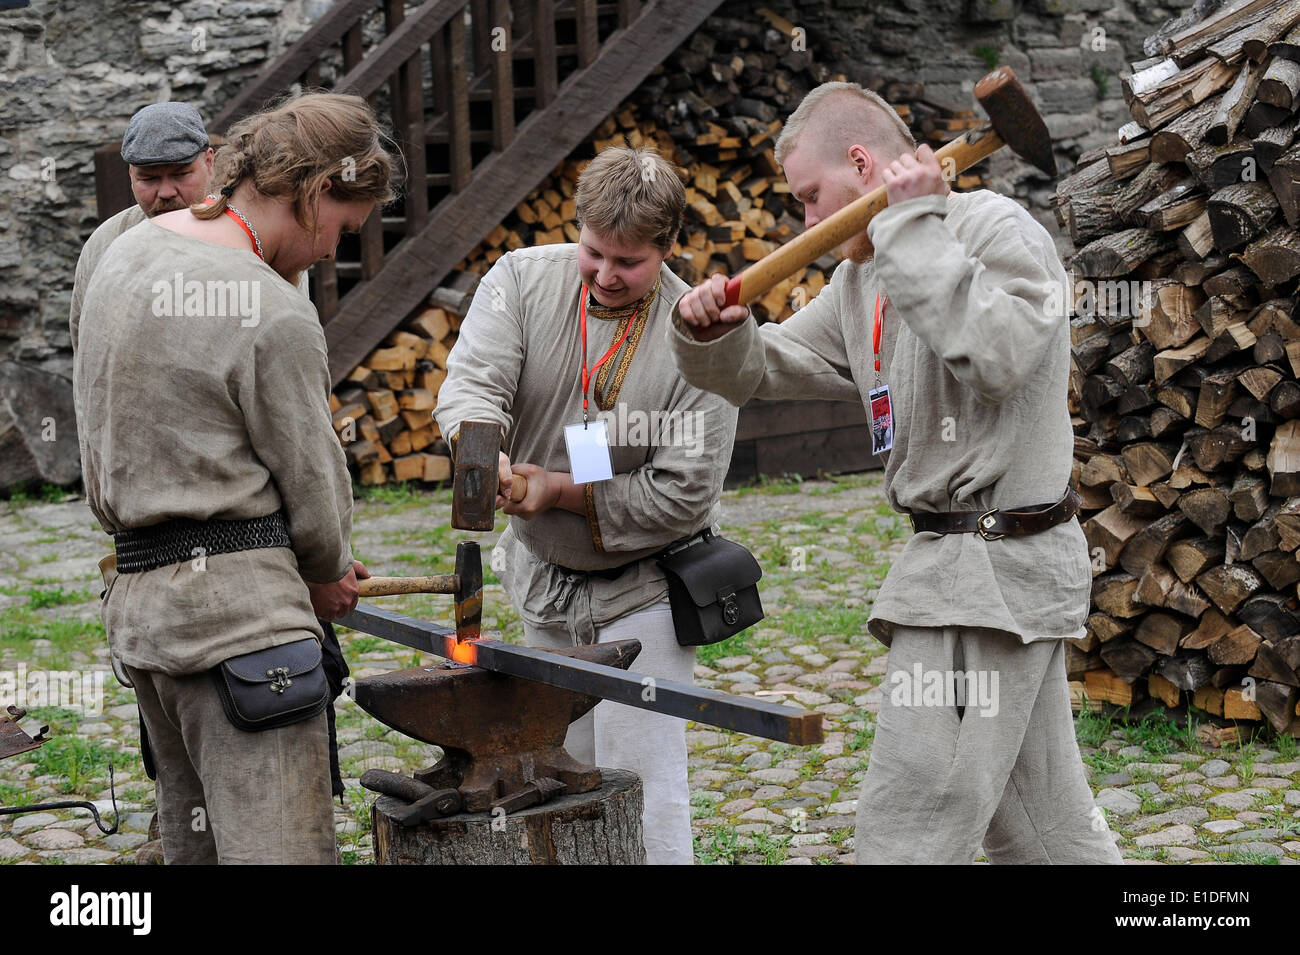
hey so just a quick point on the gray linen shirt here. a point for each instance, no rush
(209, 417)
(976, 353)
(517, 363)
(91, 253)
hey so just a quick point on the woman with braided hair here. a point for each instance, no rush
(202, 397)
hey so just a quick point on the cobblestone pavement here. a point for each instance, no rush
(824, 547)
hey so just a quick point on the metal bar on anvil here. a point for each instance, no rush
(772, 721)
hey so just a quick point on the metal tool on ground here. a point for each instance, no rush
(475, 481)
(13, 739)
(1013, 121)
(423, 802)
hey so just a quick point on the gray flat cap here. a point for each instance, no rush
(164, 133)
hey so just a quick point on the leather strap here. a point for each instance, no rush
(997, 523)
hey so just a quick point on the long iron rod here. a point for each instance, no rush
(768, 720)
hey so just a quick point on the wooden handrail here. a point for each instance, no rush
(290, 65)
(399, 46)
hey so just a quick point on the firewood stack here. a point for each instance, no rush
(1184, 391)
(715, 110)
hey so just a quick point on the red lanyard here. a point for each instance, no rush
(248, 232)
(587, 375)
(243, 225)
(879, 327)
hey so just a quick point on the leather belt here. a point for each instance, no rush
(182, 539)
(613, 573)
(997, 523)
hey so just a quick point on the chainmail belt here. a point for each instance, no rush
(182, 539)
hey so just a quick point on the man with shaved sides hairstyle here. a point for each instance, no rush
(942, 322)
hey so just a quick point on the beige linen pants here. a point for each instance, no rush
(230, 797)
(650, 744)
(1005, 772)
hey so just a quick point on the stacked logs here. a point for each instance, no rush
(1184, 391)
(714, 109)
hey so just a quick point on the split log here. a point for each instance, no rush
(1127, 658)
(1229, 586)
(1240, 212)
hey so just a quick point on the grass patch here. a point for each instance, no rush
(365, 644)
(773, 849)
(76, 759)
(13, 795)
(812, 623)
(745, 643)
(1248, 858)
(39, 599)
(404, 492)
(1159, 735)
(22, 495)
(718, 846)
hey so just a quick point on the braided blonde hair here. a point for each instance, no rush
(289, 151)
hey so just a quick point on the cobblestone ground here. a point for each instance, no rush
(824, 547)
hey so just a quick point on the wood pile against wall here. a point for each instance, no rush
(1184, 390)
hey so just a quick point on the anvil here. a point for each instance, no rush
(501, 712)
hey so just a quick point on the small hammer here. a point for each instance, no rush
(474, 486)
(1013, 121)
(424, 802)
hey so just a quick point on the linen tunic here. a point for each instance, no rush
(207, 416)
(517, 363)
(976, 353)
(91, 253)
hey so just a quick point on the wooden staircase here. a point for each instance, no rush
(484, 98)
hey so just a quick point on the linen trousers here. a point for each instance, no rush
(226, 796)
(1003, 770)
(652, 745)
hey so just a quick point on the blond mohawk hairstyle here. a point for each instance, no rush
(632, 194)
(838, 115)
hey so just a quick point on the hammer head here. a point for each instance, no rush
(1015, 118)
(474, 486)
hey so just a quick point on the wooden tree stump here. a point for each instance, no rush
(601, 827)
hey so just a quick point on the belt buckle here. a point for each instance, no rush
(987, 520)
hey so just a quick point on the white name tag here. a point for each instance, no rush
(588, 447)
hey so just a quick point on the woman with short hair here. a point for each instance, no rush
(560, 336)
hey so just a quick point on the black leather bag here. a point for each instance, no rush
(275, 687)
(712, 588)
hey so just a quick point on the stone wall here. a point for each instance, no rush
(1068, 53)
(71, 75)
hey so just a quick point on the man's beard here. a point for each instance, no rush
(858, 249)
(166, 205)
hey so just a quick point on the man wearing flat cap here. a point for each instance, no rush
(170, 160)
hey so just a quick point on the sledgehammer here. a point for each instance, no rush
(474, 486)
(1013, 121)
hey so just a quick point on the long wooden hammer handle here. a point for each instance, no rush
(387, 586)
(807, 247)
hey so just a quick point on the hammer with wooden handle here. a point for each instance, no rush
(1013, 121)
